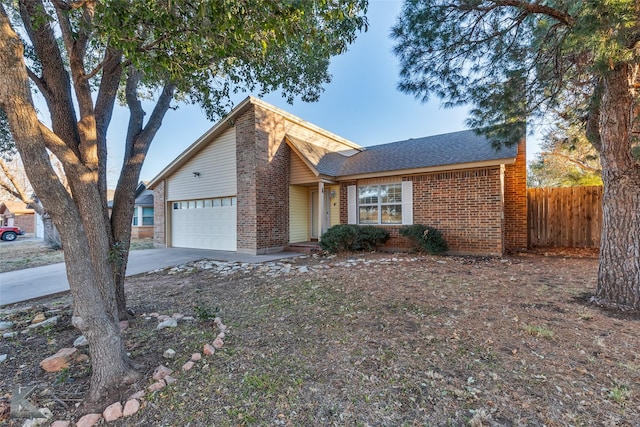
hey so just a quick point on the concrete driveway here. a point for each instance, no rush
(23, 285)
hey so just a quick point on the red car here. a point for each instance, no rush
(10, 234)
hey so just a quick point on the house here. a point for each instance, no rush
(262, 179)
(17, 214)
(142, 221)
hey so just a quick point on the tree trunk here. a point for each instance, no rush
(78, 219)
(619, 270)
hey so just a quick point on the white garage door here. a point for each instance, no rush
(204, 224)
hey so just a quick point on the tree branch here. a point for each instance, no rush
(530, 8)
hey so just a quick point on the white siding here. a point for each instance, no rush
(335, 204)
(300, 173)
(298, 214)
(216, 164)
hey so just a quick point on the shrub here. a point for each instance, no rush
(347, 237)
(425, 238)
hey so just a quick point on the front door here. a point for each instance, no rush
(315, 213)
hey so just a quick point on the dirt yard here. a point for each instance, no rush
(361, 340)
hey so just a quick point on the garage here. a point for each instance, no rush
(204, 224)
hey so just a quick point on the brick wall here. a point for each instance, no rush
(142, 231)
(272, 194)
(464, 205)
(26, 222)
(159, 216)
(516, 231)
(246, 178)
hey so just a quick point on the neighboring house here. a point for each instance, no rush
(142, 221)
(143, 213)
(17, 214)
(262, 179)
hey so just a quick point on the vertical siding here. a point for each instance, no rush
(298, 214)
(300, 173)
(216, 164)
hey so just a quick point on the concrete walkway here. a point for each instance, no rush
(23, 285)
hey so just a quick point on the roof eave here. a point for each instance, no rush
(440, 168)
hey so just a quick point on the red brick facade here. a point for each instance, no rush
(479, 211)
(516, 225)
(263, 182)
(469, 207)
(26, 222)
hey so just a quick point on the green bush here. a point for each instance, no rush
(347, 237)
(425, 238)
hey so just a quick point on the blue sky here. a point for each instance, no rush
(361, 103)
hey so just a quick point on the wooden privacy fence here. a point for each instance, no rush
(565, 217)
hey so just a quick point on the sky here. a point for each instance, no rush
(362, 103)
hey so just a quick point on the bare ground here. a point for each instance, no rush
(383, 340)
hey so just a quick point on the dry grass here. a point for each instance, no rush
(416, 341)
(30, 253)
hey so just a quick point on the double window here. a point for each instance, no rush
(380, 204)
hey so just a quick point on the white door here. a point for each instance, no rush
(204, 227)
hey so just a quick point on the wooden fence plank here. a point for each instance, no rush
(565, 217)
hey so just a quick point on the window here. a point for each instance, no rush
(380, 204)
(135, 216)
(147, 216)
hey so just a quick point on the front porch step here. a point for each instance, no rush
(308, 248)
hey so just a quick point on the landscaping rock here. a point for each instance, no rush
(81, 341)
(3, 357)
(4, 325)
(124, 325)
(169, 323)
(196, 356)
(187, 366)
(113, 412)
(58, 361)
(160, 372)
(157, 386)
(137, 395)
(169, 380)
(169, 353)
(61, 424)
(208, 350)
(88, 420)
(218, 343)
(80, 358)
(38, 318)
(131, 407)
(50, 321)
(9, 334)
(177, 316)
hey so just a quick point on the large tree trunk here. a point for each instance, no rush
(619, 271)
(78, 219)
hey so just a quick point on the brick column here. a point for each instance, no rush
(159, 216)
(516, 225)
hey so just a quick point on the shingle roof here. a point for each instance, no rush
(439, 150)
